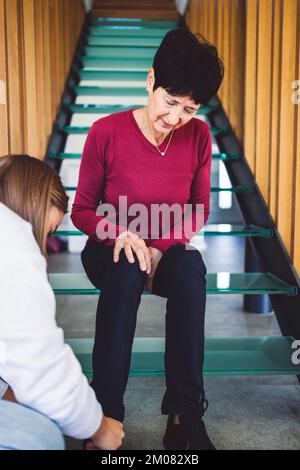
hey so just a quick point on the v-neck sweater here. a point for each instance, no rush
(118, 160)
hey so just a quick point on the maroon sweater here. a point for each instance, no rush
(118, 160)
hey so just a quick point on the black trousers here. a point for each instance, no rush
(179, 277)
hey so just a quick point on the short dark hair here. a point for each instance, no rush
(188, 65)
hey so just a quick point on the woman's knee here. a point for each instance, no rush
(126, 274)
(94, 260)
(187, 260)
(25, 429)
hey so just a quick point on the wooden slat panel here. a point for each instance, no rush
(47, 68)
(275, 111)
(136, 13)
(30, 79)
(197, 15)
(4, 143)
(287, 160)
(250, 83)
(227, 58)
(59, 52)
(40, 78)
(193, 19)
(263, 114)
(232, 65)
(239, 100)
(68, 47)
(211, 36)
(220, 37)
(296, 231)
(205, 18)
(296, 208)
(37, 41)
(259, 43)
(15, 76)
(54, 55)
(187, 14)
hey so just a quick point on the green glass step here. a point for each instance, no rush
(128, 31)
(109, 91)
(77, 156)
(214, 189)
(226, 156)
(141, 41)
(138, 63)
(115, 52)
(135, 22)
(215, 156)
(108, 109)
(209, 230)
(84, 130)
(97, 108)
(130, 23)
(254, 355)
(111, 75)
(217, 283)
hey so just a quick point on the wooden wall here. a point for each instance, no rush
(37, 43)
(259, 41)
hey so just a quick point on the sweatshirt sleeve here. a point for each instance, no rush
(41, 369)
(90, 189)
(195, 216)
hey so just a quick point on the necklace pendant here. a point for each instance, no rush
(163, 154)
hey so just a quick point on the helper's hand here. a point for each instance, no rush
(133, 243)
(155, 258)
(108, 437)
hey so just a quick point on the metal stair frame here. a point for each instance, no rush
(255, 211)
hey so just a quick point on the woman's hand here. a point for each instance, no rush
(133, 243)
(155, 258)
(109, 436)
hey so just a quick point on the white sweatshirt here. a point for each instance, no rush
(40, 368)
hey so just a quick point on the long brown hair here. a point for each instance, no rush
(30, 188)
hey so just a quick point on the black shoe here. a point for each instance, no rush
(190, 434)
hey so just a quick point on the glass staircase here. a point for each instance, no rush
(116, 59)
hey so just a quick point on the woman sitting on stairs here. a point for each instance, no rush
(158, 154)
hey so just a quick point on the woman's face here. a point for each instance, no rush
(54, 219)
(167, 112)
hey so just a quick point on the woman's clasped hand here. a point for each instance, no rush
(148, 257)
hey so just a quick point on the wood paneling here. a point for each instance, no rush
(30, 79)
(296, 231)
(275, 107)
(287, 145)
(250, 82)
(259, 42)
(4, 144)
(15, 75)
(220, 36)
(37, 42)
(263, 97)
(151, 9)
(296, 208)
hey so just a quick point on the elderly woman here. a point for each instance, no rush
(159, 154)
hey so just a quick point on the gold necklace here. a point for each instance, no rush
(163, 153)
